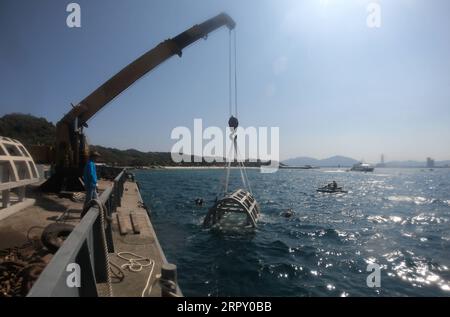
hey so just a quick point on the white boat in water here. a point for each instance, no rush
(362, 167)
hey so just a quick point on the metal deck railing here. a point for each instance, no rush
(84, 247)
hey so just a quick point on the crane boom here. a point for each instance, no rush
(71, 148)
(141, 66)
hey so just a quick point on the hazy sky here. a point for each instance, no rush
(312, 68)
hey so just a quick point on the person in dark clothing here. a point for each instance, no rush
(332, 185)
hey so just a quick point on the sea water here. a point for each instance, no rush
(396, 218)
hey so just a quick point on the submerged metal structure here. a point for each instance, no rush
(238, 202)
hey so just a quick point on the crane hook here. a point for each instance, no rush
(233, 122)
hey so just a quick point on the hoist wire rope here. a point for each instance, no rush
(235, 76)
(230, 93)
(240, 164)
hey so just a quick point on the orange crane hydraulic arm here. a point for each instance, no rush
(71, 148)
(131, 73)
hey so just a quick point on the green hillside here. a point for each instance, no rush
(31, 130)
(28, 129)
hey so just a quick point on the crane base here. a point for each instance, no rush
(63, 180)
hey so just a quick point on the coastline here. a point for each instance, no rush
(189, 168)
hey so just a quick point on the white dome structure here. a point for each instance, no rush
(17, 169)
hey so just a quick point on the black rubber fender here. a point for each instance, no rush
(54, 235)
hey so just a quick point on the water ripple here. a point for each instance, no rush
(398, 219)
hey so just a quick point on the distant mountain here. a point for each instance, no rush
(132, 157)
(31, 130)
(343, 161)
(328, 162)
(338, 161)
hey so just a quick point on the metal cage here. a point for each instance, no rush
(238, 202)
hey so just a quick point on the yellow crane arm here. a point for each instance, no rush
(93, 103)
(71, 148)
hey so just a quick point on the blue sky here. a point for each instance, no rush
(312, 68)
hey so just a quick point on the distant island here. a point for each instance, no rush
(343, 161)
(31, 130)
(334, 161)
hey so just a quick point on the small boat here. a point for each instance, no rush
(362, 167)
(329, 190)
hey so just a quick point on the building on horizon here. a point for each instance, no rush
(382, 163)
(430, 162)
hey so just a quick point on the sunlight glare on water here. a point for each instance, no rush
(391, 217)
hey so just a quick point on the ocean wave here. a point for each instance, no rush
(415, 270)
(386, 219)
(284, 270)
(327, 233)
(333, 171)
(395, 219)
(375, 182)
(274, 248)
(424, 218)
(411, 199)
(420, 219)
(304, 251)
(378, 219)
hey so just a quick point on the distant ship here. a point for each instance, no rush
(305, 167)
(362, 167)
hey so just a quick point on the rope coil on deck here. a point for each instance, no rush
(134, 264)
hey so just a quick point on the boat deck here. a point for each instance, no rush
(18, 229)
(144, 244)
(47, 209)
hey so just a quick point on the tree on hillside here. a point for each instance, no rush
(27, 129)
